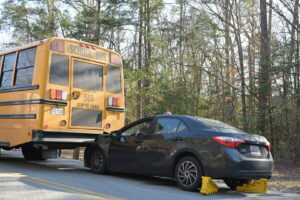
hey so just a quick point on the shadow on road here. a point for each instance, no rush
(74, 169)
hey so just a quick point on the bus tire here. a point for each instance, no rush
(31, 153)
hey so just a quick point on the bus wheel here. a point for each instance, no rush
(31, 153)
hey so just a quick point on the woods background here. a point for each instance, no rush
(232, 60)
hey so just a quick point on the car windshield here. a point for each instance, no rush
(218, 126)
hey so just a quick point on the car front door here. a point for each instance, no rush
(159, 146)
(124, 148)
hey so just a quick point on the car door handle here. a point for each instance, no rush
(176, 139)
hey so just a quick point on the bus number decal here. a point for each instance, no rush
(89, 97)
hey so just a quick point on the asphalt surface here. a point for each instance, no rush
(63, 179)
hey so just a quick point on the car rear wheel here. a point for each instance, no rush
(188, 174)
(98, 162)
(233, 183)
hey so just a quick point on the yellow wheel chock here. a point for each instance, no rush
(255, 186)
(208, 186)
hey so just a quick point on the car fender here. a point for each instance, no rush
(101, 142)
(185, 152)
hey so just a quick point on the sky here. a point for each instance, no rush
(4, 35)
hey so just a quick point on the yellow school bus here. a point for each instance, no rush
(58, 93)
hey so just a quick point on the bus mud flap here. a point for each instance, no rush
(255, 186)
(208, 186)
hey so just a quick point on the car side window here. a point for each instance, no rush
(168, 126)
(181, 127)
(142, 128)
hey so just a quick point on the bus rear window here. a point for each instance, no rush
(114, 79)
(87, 76)
(59, 73)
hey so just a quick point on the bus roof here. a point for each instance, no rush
(49, 40)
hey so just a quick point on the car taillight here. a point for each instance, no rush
(58, 94)
(268, 145)
(114, 101)
(229, 142)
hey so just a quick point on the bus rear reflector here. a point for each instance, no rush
(58, 45)
(88, 46)
(63, 122)
(107, 126)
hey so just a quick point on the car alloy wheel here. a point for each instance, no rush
(188, 173)
(98, 162)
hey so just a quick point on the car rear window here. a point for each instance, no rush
(169, 126)
(218, 126)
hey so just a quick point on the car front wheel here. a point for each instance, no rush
(98, 162)
(188, 174)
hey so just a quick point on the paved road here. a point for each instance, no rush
(64, 179)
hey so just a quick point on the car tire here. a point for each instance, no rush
(31, 153)
(188, 174)
(233, 183)
(98, 162)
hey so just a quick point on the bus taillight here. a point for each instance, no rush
(58, 45)
(114, 101)
(115, 59)
(58, 94)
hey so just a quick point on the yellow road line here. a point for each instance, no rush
(60, 186)
(63, 189)
(74, 188)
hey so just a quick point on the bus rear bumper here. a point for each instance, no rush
(62, 139)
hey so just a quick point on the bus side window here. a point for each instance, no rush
(0, 64)
(7, 71)
(59, 72)
(25, 66)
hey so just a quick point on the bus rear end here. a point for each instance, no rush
(81, 96)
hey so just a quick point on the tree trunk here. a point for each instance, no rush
(264, 89)
(140, 43)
